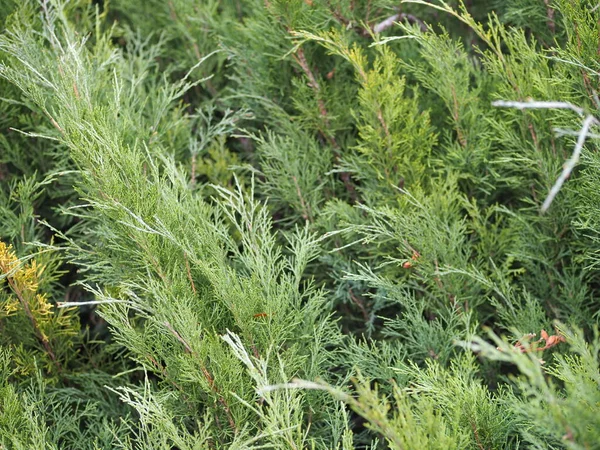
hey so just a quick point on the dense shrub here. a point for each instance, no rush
(303, 224)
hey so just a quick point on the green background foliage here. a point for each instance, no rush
(298, 224)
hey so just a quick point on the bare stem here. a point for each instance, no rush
(389, 22)
(583, 133)
(570, 164)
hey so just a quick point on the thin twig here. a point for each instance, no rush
(476, 433)
(361, 305)
(178, 337)
(383, 123)
(307, 215)
(313, 83)
(386, 23)
(56, 125)
(564, 132)
(91, 302)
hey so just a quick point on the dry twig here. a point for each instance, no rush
(583, 133)
(389, 22)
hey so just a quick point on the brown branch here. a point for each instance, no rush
(172, 11)
(312, 82)
(163, 372)
(361, 305)
(476, 433)
(382, 122)
(56, 125)
(550, 17)
(300, 58)
(178, 337)
(155, 263)
(337, 14)
(254, 349)
(437, 278)
(306, 215)
(189, 273)
(207, 375)
(456, 117)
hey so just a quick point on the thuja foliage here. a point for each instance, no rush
(299, 224)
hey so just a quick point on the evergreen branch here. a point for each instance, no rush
(38, 332)
(333, 43)
(365, 406)
(392, 119)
